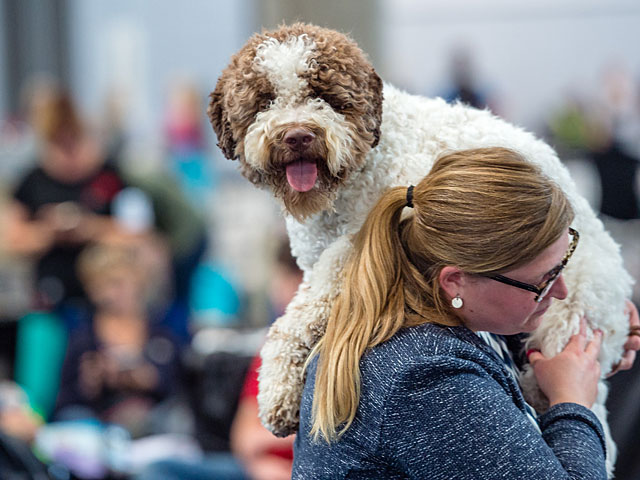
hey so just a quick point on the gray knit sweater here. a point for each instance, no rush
(437, 403)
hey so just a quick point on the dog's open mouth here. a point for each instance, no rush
(302, 174)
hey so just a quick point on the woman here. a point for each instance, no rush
(62, 203)
(413, 379)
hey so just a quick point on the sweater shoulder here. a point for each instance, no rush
(424, 344)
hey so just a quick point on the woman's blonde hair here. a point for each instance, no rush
(484, 210)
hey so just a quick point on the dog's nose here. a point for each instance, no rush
(298, 139)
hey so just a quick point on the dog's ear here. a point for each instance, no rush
(220, 122)
(375, 90)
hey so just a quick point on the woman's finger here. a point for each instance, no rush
(579, 340)
(533, 355)
(633, 340)
(624, 364)
(632, 311)
(627, 360)
(593, 348)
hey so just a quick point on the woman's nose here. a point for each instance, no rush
(559, 289)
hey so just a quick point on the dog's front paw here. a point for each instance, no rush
(281, 379)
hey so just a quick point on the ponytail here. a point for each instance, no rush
(374, 303)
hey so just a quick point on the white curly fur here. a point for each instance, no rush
(414, 132)
(314, 111)
(283, 63)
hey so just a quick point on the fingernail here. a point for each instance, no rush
(531, 350)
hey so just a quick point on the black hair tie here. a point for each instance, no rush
(410, 196)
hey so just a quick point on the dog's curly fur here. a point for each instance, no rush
(338, 73)
(303, 78)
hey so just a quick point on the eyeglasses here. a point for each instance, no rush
(542, 289)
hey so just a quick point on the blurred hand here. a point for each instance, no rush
(572, 375)
(73, 224)
(23, 235)
(68, 221)
(142, 378)
(19, 422)
(633, 340)
(92, 374)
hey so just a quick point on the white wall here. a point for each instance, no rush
(530, 53)
(140, 47)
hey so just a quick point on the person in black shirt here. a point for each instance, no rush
(62, 203)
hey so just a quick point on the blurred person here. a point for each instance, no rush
(464, 82)
(62, 202)
(615, 143)
(256, 454)
(605, 132)
(122, 363)
(186, 146)
(185, 232)
(615, 151)
(614, 148)
(184, 119)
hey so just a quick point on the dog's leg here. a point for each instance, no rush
(283, 357)
(292, 337)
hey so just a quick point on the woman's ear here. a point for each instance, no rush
(452, 281)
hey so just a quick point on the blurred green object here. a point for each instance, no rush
(571, 127)
(40, 349)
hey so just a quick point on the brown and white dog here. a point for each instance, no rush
(308, 118)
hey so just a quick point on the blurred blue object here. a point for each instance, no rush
(194, 172)
(213, 299)
(41, 344)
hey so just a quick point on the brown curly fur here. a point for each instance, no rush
(339, 74)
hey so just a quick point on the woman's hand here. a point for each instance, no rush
(572, 375)
(633, 340)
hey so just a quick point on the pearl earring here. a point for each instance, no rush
(457, 301)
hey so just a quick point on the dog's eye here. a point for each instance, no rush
(336, 102)
(264, 103)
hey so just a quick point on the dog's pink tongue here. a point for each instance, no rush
(302, 175)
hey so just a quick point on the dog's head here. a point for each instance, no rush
(300, 107)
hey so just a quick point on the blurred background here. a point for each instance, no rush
(124, 85)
